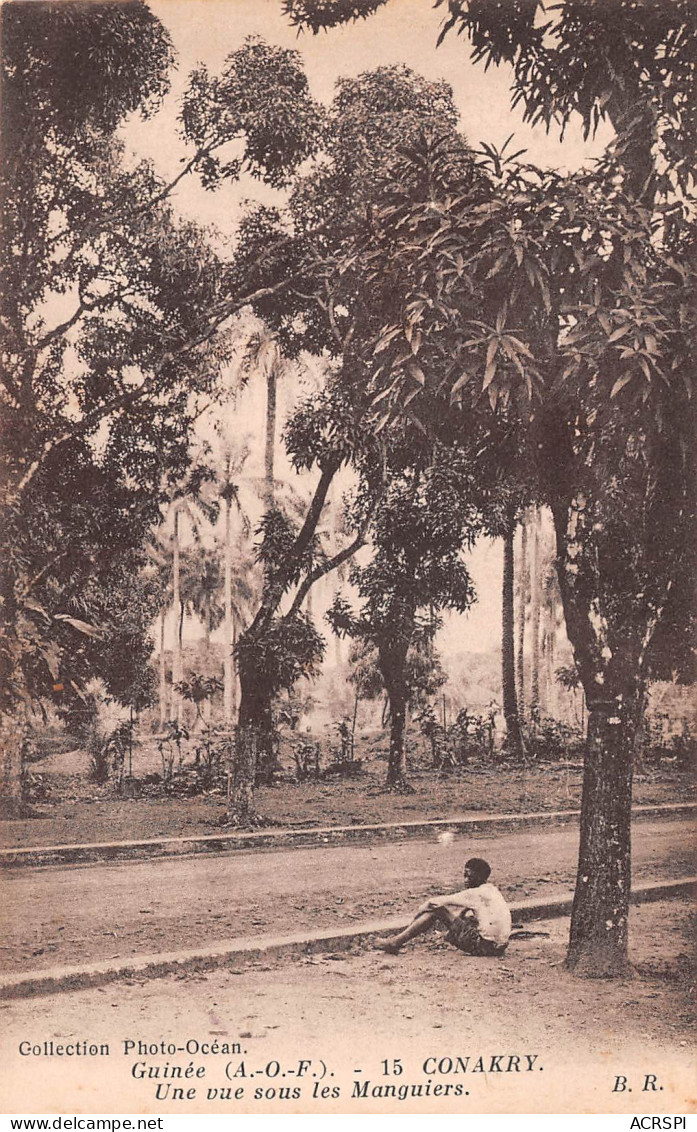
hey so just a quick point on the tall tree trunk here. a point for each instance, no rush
(180, 646)
(163, 671)
(254, 747)
(392, 657)
(397, 760)
(308, 606)
(255, 727)
(228, 669)
(550, 642)
(256, 716)
(609, 650)
(514, 737)
(241, 810)
(535, 599)
(207, 704)
(543, 689)
(356, 701)
(522, 574)
(176, 702)
(598, 941)
(12, 740)
(269, 453)
(234, 673)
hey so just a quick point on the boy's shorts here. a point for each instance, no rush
(464, 934)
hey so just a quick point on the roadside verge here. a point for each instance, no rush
(236, 953)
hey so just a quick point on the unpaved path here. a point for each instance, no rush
(352, 1011)
(62, 916)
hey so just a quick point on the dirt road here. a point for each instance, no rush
(62, 916)
(427, 1008)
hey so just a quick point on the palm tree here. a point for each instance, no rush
(193, 501)
(501, 522)
(231, 459)
(522, 579)
(263, 355)
(514, 735)
(201, 588)
(160, 554)
(535, 607)
(200, 594)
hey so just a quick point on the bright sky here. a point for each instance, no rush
(405, 31)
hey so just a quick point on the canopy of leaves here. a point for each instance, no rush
(65, 71)
(202, 585)
(372, 122)
(422, 522)
(93, 316)
(115, 313)
(318, 15)
(289, 649)
(622, 60)
(424, 672)
(566, 300)
(260, 100)
(75, 608)
(634, 61)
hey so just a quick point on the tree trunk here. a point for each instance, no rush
(514, 737)
(392, 657)
(241, 810)
(522, 574)
(608, 652)
(12, 740)
(208, 703)
(353, 725)
(308, 607)
(396, 764)
(255, 753)
(180, 649)
(163, 672)
(176, 702)
(234, 673)
(271, 390)
(228, 672)
(260, 718)
(599, 920)
(535, 599)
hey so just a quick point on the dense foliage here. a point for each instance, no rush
(115, 313)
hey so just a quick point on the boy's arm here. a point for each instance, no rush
(434, 902)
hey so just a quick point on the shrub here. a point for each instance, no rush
(549, 740)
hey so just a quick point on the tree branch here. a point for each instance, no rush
(125, 400)
(117, 216)
(84, 307)
(275, 589)
(331, 563)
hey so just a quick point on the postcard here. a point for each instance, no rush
(348, 719)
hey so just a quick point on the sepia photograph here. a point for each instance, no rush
(348, 729)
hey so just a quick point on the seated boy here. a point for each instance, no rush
(478, 919)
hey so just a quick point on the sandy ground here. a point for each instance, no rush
(347, 1014)
(62, 916)
(77, 811)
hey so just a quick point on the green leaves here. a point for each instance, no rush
(66, 71)
(319, 15)
(262, 99)
(288, 649)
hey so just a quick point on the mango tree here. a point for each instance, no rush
(115, 317)
(587, 284)
(423, 521)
